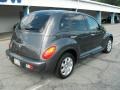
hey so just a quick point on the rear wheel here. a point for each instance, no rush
(65, 65)
(108, 47)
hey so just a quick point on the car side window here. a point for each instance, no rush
(72, 23)
(92, 23)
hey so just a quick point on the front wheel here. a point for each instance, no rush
(65, 65)
(108, 47)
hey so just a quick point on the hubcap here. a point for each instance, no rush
(109, 45)
(66, 66)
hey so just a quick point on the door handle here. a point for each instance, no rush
(92, 34)
(73, 36)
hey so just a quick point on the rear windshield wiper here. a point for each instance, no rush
(31, 29)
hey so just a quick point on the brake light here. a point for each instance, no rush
(49, 52)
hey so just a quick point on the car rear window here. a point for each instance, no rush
(34, 22)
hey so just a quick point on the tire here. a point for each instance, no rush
(108, 47)
(65, 66)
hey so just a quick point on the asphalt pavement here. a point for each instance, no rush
(97, 72)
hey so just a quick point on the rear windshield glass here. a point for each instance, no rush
(34, 22)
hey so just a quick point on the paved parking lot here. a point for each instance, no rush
(98, 72)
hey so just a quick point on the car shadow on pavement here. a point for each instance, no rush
(51, 75)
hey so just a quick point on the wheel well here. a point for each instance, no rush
(111, 38)
(73, 52)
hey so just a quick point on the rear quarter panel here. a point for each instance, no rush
(62, 44)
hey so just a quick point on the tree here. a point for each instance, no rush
(113, 2)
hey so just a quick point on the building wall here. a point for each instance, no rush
(9, 16)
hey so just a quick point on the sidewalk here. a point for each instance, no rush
(5, 36)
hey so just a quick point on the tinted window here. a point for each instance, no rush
(72, 23)
(93, 25)
(34, 22)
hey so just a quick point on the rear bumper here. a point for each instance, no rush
(37, 64)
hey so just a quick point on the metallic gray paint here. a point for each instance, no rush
(34, 44)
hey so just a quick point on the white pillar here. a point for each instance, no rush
(26, 10)
(112, 18)
(98, 17)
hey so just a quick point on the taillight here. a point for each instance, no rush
(47, 54)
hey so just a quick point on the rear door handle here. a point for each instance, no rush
(92, 34)
(73, 36)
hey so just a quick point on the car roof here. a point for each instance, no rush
(58, 12)
(51, 12)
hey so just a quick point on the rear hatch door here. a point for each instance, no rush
(28, 36)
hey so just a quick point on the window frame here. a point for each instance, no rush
(94, 21)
